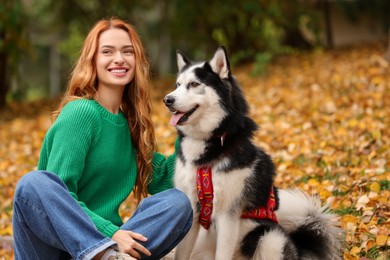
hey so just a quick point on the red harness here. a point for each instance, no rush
(204, 185)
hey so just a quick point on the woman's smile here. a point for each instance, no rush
(119, 71)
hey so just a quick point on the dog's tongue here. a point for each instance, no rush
(175, 118)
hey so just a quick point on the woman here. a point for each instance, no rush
(100, 149)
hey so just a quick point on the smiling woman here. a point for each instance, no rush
(100, 149)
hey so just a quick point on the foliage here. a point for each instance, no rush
(326, 129)
(13, 33)
(252, 30)
(13, 43)
(69, 21)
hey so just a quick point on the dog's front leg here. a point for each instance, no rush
(185, 247)
(228, 228)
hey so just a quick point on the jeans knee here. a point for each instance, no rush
(27, 181)
(34, 182)
(181, 202)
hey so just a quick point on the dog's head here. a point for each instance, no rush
(205, 95)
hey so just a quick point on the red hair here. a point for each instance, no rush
(136, 104)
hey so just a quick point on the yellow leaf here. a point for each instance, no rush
(313, 182)
(355, 250)
(375, 187)
(6, 231)
(325, 194)
(381, 240)
(377, 134)
(353, 123)
(348, 256)
(349, 219)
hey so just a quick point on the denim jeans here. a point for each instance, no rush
(49, 224)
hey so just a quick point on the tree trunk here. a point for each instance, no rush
(387, 54)
(164, 41)
(4, 83)
(325, 6)
(55, 70)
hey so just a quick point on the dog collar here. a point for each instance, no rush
(204, 185)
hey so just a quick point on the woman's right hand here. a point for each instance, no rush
(127, 243)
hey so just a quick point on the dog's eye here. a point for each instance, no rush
(194, 84)
(177, 85)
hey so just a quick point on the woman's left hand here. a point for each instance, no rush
(127, 243)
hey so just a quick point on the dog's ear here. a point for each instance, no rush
(220, 63)
(182, 60)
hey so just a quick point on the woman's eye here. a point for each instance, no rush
(129, 51)
(106, 51)
(194, 84)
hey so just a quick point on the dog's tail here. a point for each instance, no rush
(312, 227)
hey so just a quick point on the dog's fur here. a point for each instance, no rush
(211, 116)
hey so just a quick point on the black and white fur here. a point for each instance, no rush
(211, 116)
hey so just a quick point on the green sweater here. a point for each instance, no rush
(91, 150)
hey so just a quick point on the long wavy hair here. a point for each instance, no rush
(136, 104)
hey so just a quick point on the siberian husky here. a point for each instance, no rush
(238, 213)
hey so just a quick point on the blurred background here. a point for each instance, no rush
(40, 39)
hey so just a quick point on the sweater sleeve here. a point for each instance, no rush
(65, 148)
(163, 171)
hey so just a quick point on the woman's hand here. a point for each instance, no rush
(127, 243)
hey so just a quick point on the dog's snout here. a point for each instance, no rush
(169, 100)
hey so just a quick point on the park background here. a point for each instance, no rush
(316, 74)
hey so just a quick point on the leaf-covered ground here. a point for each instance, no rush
(324, 117)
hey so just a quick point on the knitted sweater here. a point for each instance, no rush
(91, 150)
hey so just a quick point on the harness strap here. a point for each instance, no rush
(204, 185)
(267, 212)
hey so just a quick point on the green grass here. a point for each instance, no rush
(347, 211)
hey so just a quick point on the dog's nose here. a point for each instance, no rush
(169, 100)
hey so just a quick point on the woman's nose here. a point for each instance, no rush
(118, 58)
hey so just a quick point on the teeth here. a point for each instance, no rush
(118, 71)
(175, 112)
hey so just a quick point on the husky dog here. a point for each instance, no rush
(238, 213)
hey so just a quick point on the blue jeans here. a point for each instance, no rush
(49, 224)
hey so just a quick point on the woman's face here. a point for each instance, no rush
(115, 61)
